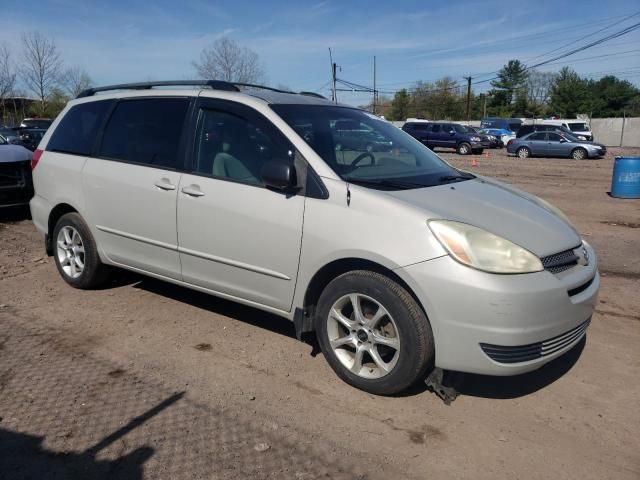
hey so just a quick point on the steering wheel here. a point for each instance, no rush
(361, 157)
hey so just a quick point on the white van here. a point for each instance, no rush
(580, 129)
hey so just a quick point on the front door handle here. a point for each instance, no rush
(193, 191)
(164, 184)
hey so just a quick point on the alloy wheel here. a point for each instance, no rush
(70, 251)
(363, 336)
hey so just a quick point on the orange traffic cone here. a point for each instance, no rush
(474, 162)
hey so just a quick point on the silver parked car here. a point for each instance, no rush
(398, 261)
(554, 144)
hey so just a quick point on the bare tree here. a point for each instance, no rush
(74, 80)
(226, 60)
(8, 77)
(42, 66)
(538, 85)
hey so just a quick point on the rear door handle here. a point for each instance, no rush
(164, 184)
(193, 191)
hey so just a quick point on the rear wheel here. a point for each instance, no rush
(464, 148)
(579, 154)
(373, 333)
(76, 254)
(523, 152)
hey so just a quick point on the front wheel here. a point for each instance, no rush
(464, 148)
(523, 152)
(579, 154)
(373, 333)
(76, 254)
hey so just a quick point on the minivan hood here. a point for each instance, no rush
(498, 208)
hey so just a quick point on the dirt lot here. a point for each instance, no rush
(148, 380)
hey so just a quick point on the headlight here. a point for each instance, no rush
(580, 137)
(485, 251)
(475, 139)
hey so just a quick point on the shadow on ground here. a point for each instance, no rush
(22, 456)
(67, 414)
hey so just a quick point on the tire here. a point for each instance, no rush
(464, 149)
(401, 338)
(579, 154)
(523, 152)
(76, 254)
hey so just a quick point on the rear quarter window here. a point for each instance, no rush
(76, 132)
(146, 131)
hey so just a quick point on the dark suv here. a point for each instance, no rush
(447, 135)
(527, 129)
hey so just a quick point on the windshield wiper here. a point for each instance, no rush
(455, 178)
(384, 183)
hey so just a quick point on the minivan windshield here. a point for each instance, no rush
(578, 127)
(364, 149)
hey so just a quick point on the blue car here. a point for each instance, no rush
(554, 144)
(501, 133)
(511, 124)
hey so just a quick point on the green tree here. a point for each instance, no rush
(508, 95)
(570, 94)
(612, 96)
(400, 105)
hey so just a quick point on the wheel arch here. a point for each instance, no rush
(334, 269)
(56, 212)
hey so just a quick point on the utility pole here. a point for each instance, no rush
(468, 97)
(375, 93)
(485, 105)
(334, 97)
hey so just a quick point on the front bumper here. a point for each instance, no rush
(16, 184)
(507, 315)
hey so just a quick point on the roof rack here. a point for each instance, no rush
(214, 84)
(312, 94)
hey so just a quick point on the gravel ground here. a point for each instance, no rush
(147, 380)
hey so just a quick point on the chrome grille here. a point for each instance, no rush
(523, 353)
(559, 262)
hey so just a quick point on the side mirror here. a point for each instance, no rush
(562, 140)
(279, 175)
(452, 132)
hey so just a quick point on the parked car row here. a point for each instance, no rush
(570, 138)
(28, 133)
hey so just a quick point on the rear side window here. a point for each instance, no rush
(76, 132)
(435, 128)
(146, 131)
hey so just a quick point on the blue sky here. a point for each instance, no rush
(132, 40)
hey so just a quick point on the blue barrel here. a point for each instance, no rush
(625, 182)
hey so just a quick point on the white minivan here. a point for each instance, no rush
(400, 263)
